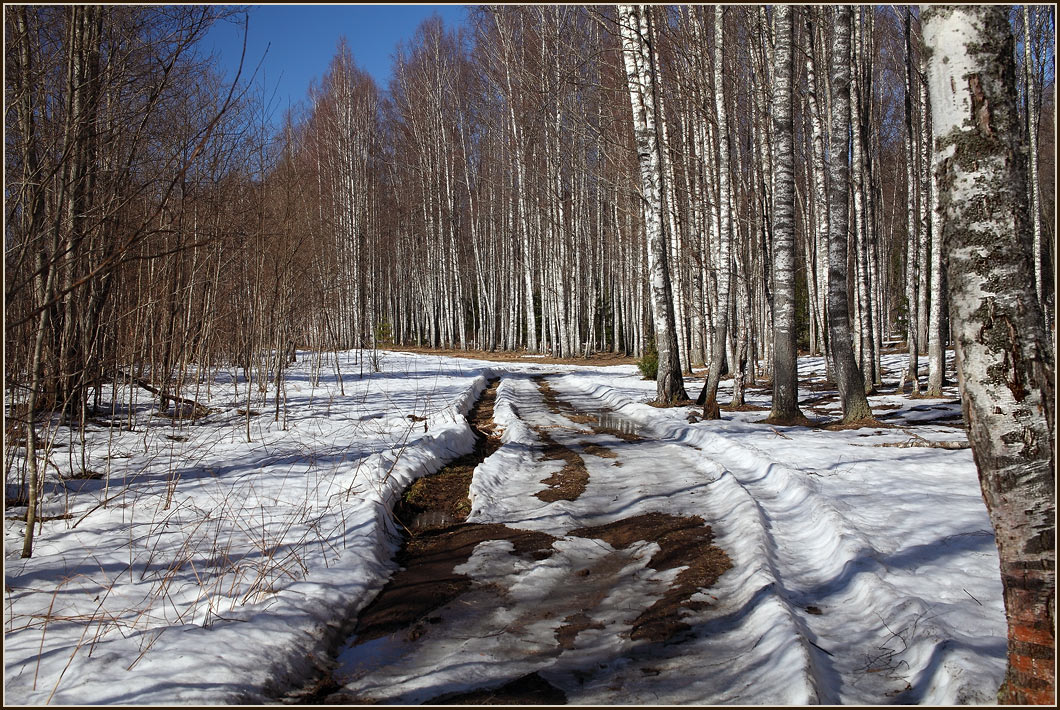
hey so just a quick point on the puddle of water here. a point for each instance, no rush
(618, 422)
(356, 659)
(432, 519)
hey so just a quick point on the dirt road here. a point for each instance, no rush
(575, 561)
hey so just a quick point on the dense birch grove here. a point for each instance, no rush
(562, 179)
(718, 187)
(702, 183)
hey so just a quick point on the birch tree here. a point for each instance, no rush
(936, 327)
(785, 362)
(818, 275)
(847, 373)
(1032, 139)
(635, 24)
(709, 395)
(1004, 361)
(912, 267)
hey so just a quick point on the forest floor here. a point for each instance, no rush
(464, 531)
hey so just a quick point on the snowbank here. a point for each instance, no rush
(263, 551)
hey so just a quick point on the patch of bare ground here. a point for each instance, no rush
(615, 432)
(574, 625)
(800, 420)
(670, 405)
(530, 689)
(570, 481)
(858, 424)
(597, 450)
(819, 385)
(559, 406)
(684, 542)
(596, 422)
(594, 584)
(743, 408)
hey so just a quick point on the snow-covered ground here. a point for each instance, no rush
(203, 568)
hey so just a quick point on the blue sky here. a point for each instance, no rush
(301, 41)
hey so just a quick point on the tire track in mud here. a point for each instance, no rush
(409, 610)
(570, 481)
(737, 488)
(684, 541)
(816, 604)
(603, 422)
(432, 511)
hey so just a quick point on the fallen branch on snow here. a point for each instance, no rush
(919, 441)
(184, 409)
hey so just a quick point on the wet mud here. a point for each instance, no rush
(531, 689)
(684, 542)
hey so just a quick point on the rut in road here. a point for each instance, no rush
(527, 598)
(432, 511)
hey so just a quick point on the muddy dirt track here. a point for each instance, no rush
(518, 605)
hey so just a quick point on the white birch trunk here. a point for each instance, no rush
(820, 189)
(847, 374)
(936, 335)
(912, 269)
(861, 217)
(709, 396)
(1004, 359)
(785, 356)
(924, 238)
(641, 77)
(1032, 136)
